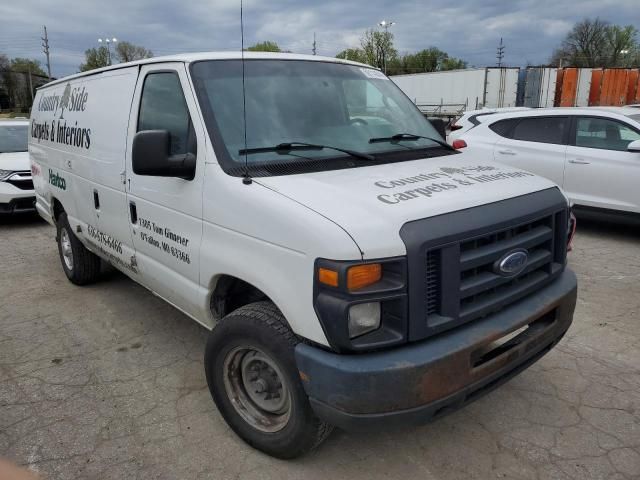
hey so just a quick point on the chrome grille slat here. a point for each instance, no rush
(487, 279)
(493, 251)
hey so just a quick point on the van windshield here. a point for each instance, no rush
(13, 138)
(308, 102)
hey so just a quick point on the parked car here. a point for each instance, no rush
(592, 153)
(473, 118)
(16, 187)
(354, 269)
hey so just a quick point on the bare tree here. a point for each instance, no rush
(596, 43)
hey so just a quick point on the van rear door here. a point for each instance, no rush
(165, 213)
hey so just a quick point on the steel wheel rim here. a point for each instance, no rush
(65, 246)
(257, 388)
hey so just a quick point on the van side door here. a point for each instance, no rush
(165, 212)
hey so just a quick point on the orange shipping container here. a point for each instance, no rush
(614, 86)
(569, 88)
(633, 88)
(594, 91)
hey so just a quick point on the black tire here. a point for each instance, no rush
(84, 267)
(261, 326)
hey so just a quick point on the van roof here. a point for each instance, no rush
(194, 57)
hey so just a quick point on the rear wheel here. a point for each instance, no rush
(79, 264)
(253, 378)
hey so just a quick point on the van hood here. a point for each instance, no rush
(372, 203)
(16, 161)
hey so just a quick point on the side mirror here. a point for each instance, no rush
(440, 125)
(634, 146)
(150, 155)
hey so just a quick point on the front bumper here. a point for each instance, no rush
(16, 200)
(18, 205)
(413, 384)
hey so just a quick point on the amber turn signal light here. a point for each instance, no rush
(328, 277)
(362, 276)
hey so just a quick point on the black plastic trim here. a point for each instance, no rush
(444, 232)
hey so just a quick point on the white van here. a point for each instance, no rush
(354, 270)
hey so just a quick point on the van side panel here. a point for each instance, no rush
(77, 144)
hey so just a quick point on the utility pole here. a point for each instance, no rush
(500, 53)
(314, 43)
(45, 46)
(30, 82)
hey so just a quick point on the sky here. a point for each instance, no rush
(468, 29)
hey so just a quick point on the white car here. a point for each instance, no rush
(472, 118)
(592, 153)
(16, 187)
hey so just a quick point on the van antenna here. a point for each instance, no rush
(246, 179)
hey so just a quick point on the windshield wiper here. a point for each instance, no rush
(409, 136)
(291, 146)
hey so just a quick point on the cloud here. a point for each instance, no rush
(471, 30)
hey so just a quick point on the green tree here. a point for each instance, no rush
(23, 65)
(95, 58)
(622, 46)
(353, 54)
(266, 46)
(377, 47)
(128, 52)
(7, 81)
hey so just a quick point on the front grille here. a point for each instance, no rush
(21, 180)
(479, 290)
(451, 258)
(22, 184)
(482, 291)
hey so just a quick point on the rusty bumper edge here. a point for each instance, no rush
(416, 383)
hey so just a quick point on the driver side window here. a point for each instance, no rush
(163, 107)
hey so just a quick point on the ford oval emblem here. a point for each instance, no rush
(511, 263)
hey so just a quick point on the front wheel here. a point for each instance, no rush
(253, 378)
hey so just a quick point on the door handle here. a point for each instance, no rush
(96, 200)
(579, 161)
(506, 152)
(134, 212)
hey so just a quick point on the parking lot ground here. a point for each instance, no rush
(107, 381)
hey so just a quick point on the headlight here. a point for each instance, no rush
(4, 174)
(364, 318)
(362, 305)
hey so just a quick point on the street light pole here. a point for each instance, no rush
(108, 41)
(385, 24)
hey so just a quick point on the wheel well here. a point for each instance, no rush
(58, 209)
(232, 293)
